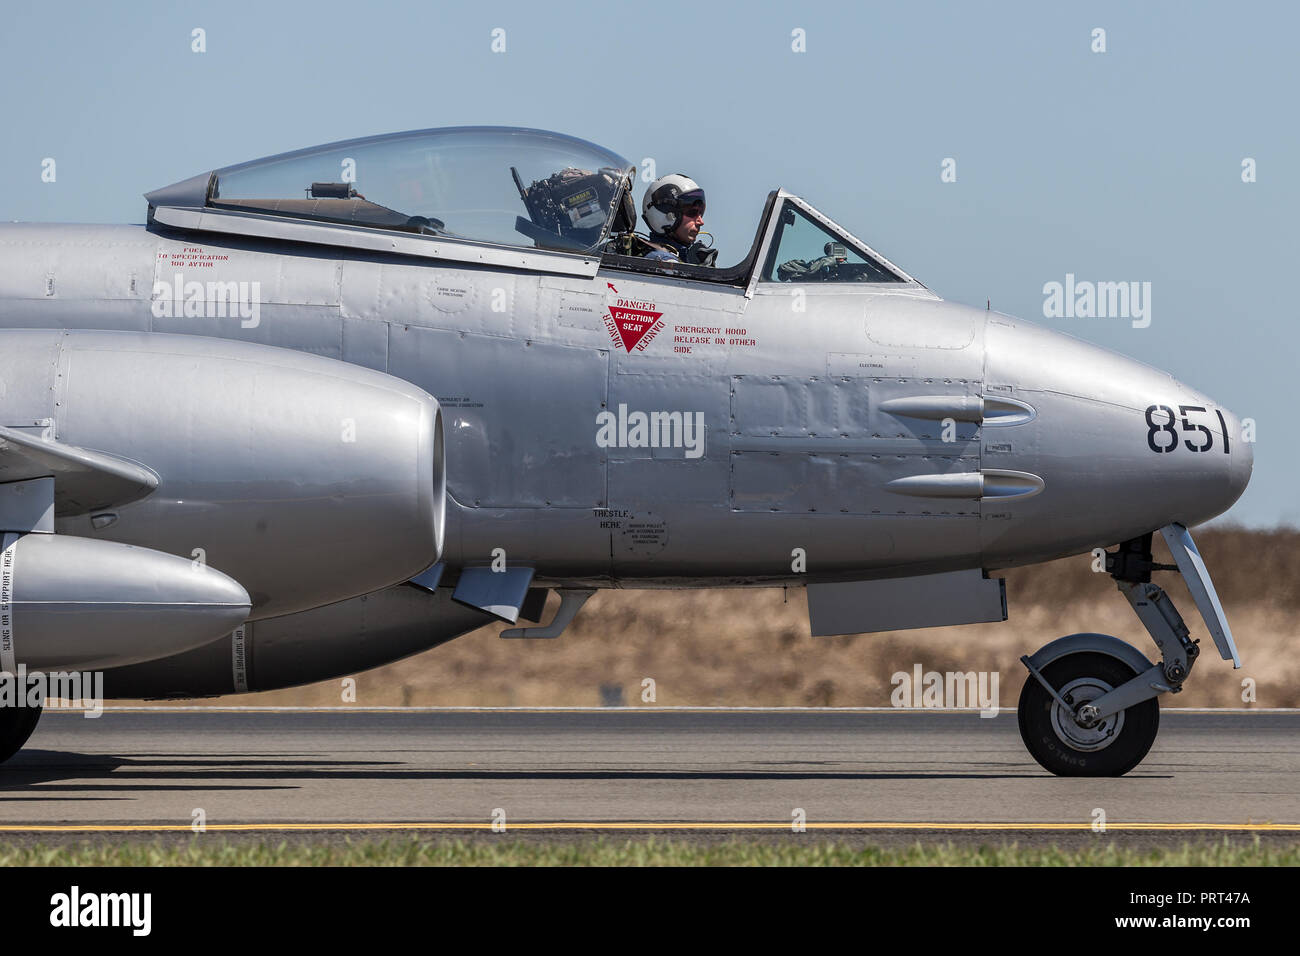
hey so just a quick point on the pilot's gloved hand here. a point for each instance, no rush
(792, 270)
(704, 255)
(825, 265)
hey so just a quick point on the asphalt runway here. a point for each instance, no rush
(896, 772)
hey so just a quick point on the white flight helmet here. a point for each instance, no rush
(665, 198)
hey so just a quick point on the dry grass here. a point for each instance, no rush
(753, 647)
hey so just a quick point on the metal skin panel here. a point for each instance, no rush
(297, 295)
(287, 279)
(844, 484)
(82, 605)
(917, 323)
(796, 407)
(490, 302)
(931, 600)
(512, 440)
(102, 264)
(365, 343)
(28, 375)
(568, 542)
(27, 506)
(840, 330)
(651, 489)
(823, 443)
(815, 439)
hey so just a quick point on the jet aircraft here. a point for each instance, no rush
(330, 408)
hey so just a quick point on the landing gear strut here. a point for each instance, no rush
(1090, 709)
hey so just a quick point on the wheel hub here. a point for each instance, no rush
(1099, 734)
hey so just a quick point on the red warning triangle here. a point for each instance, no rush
(633, 324)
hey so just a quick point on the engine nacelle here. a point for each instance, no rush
(306, 479)
(75, 604)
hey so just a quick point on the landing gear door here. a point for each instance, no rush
(1197, 576)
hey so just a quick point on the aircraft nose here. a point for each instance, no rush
(1241, 455)
(1167, 452)
(1121, 447)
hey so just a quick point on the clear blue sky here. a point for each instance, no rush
(1115, 166)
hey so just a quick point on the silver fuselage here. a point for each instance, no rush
(868, 431)
(797, 449)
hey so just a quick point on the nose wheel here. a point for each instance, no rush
(1064, 736)
(1090, 706)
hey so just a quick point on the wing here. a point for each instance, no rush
(84, 480)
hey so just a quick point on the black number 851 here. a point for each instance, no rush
(1161, 420)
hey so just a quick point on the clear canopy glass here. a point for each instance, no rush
(513, 187)
(804, 250)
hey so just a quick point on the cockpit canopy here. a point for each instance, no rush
(504, 186)
(485, 194)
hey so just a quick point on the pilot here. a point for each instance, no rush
(673, 208)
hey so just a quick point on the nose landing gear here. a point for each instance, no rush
(1091, 708)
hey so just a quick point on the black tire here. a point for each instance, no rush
(16, 725)
(1125, 749)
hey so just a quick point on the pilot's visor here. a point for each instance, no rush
(691, 198)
